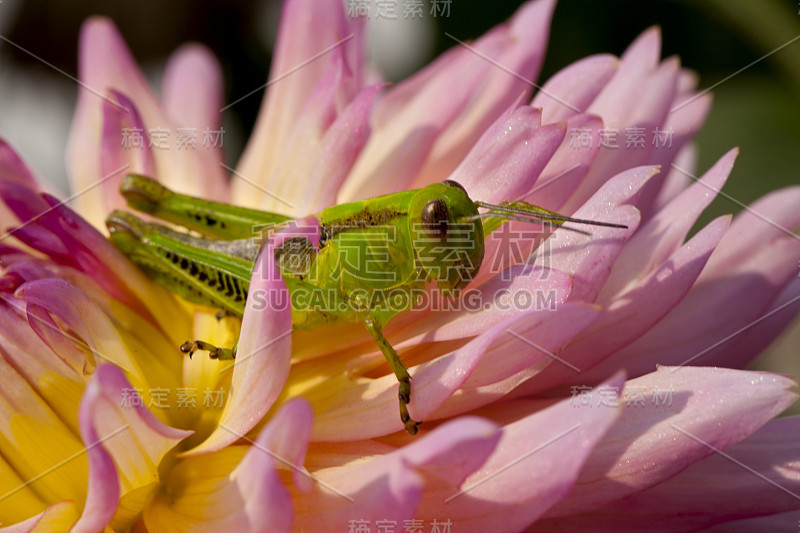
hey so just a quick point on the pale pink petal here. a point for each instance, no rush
(506, 161)
(676, 182)
(442, 123)
(496, 354)
(686, 117)
(193, 88)
(282, 443)
(395, 153)
(759, 473)
(105, 62)
(638, 61)
(769, 218)
(440, 319)
(116, 159)
(31, 359)
(371, 481)
(264, 348)
(192, 93)
(638, 96)
(297, 66)
(306, 143)
(522, 347)
(612, 203)
(568, 166)
(502, 296)
(572, 89)
(673, 418)
(706, 327)
(99, 333)
(125, 443)
(534, 465)
(340, 147)
(631, 314)
(528, 30)
(660, 236)
(752, 342)
(250, 498)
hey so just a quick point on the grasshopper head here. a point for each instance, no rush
(142, 193)
(447, 248)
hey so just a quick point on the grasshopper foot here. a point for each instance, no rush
(214, 352)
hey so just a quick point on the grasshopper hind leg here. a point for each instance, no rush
(400, 371)
(214, 352)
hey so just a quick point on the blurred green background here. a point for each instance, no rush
(757, 109)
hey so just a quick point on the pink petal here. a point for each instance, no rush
(490, 357)
(568, 166)
(528, 345)
(297, 66)
(99, 333)
(305, 145)
(123, 441)
(116, 160)
(31, 358)
(676, 182)
(264, 349)
(489, 303)
(768, 219)
(13, 168)
(434, 130)
(591, 268)
(528, 30)
(759, 473)
(631, 314)
(105, 62)
(780, 314)
(193, 89)
(282, 442)
(665, 232)
(574, 87)
(341, 145)
(670, 419)
(683, 122)
(212, 493)
(54, 229)
(529, 470)
(385, 483)
(638, 95)
(711, 322)
(509, 157)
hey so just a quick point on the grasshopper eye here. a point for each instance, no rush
(451, 183)
(434, 218)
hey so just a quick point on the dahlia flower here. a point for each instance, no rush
(544, 418)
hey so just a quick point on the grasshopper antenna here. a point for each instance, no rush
(530, 215)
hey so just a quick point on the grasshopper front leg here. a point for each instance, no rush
(400, 371)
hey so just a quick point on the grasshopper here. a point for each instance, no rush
(371, 255)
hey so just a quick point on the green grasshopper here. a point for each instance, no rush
(366, 262)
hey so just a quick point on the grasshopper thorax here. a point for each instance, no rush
(447, 245)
